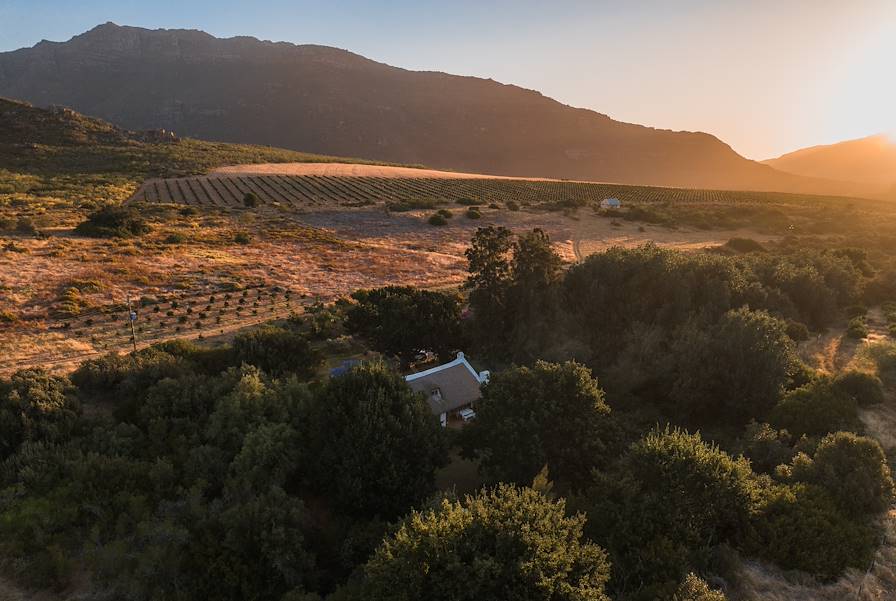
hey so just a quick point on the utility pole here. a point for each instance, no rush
(132, 317)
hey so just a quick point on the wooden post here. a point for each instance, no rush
(132, 318)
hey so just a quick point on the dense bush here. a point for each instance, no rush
(36, 407)
(800, 527)
(250, 200)
(437, 220)
(733, 371)
(668, 502)
(549, 414)
(857, 328)
(404, 321)
(694, 588)
(277, 351)
(815, 409)
(113, 222)
(506, 543)
(866, 389)
(765, 447)
(375, 444)
(852, 469)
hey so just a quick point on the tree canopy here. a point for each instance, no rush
(505, 543)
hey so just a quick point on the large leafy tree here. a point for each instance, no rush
(278, 351)
(536, 272)
(375, 443)
(503, 544)
(732, 371)
(669, 500)
(550, 414)
(490, 276)
(402, 321)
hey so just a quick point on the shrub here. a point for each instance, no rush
(175, 238)
(744, 245)
(857, 328)
(35, 406)
(469, 202)
(512, 206)
(473, 213)
(242, 238)
(671, 499)
(25, 225)
(445, 213)
(551, 414)
(852, 469)
(506, 543)
(866, 389)
(765, 447)
(734, 370)
(796, 331)
(437, 220)
(113, 222)
(277, 351)
(800, 527)
(375, 443)
(694, 588)
(250, 200)
(815, 409)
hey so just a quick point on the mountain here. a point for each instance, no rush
(868, 162)
(325, 100)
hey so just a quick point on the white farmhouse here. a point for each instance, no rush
(450, 389)
(610, 203)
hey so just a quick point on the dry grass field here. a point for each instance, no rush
(316, 253)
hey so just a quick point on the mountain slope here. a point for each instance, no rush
(60, 156)
(870, 161)
(330, 101)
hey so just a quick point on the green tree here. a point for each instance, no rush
(277, 351)
(402, 321)
(733, 371)
(854, 471)
(815, 409)
(503, 544)
(667, 503)
(35, 406)
(865, 388)
(375, 444)
(800, 527)
(550, 414)
(536, 273)
(489, 279)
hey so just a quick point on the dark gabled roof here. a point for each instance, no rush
(457, 382)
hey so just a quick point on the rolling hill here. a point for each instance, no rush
(870, 163)
(325, 100)
(61, 155)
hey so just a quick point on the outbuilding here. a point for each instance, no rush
(610, 203)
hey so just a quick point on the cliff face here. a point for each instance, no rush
(330, 101)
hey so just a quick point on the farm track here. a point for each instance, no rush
(309, 191)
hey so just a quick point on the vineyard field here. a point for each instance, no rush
(320, 191)
(183, 316)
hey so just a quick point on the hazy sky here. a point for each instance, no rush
(765, 76)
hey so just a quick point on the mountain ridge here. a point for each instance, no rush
(332, 101)
(869, 161)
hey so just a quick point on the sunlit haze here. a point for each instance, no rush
(766, 77)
